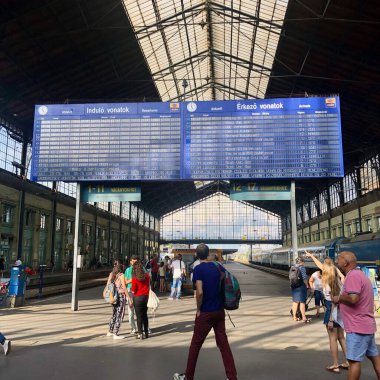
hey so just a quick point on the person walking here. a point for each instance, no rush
(118, 309)
(130, 306)
(140, 289)
(168, 273)
(299, 293)
(154, 271)
(179, 269)
(209, 315)
(6, 343)
(161, 273)
(332, 280)
(356, 305)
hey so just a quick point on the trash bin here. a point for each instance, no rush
(17, 286)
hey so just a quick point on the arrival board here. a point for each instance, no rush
(271, 138)
(246, 139)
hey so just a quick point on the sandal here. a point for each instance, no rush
(296, 319)
(344, 366)
(308, 320)
(333, 369)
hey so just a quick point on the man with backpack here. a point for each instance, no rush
(209, 315)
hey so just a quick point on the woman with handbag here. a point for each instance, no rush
(118, 309)
(140, 289)
(332, 280)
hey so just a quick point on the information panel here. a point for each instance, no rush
(245, 139)
(85, 142)
(271, 138)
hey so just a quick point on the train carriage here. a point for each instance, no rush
(366, 248)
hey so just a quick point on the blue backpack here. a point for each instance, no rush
(230, 289)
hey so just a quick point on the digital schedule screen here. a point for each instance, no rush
(271, 138)
(85, 142)
(245, 139)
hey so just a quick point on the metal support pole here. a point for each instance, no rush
(53, 224)
(21, 212)
(130, 232)
(78, 224)
(293, 213)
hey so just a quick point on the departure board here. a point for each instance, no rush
(237, 139)
(83, 142)
(271, 138)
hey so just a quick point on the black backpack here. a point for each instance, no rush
(295, 277)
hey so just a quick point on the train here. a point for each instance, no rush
(365, 246)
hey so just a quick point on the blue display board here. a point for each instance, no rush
(84, 142)
(246, 139)
(271, 138)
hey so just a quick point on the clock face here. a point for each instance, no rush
(42, 110)
(191, 107)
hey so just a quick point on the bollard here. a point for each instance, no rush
(41, 280)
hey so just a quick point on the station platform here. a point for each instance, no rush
(49, 340)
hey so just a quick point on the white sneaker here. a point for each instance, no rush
(133, 331)
(149, 331)
(109, 333)
(178, 376)
(7, 346)
(170, 298)
(118, 336)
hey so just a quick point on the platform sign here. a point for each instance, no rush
(271, 138)
(253, 191)
(118, 192)
(245, 139)
(87, 142)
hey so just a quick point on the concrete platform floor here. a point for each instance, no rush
(51, 341)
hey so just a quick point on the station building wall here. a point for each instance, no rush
(104, 236)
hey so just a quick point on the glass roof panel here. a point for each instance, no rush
(224, 49)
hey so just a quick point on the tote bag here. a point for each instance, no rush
(336, 316)
(153, 301)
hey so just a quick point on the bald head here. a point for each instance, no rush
(346, 261)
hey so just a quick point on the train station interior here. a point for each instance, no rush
(122, 51)
(77, 52)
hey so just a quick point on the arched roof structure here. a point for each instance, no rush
(98, 51)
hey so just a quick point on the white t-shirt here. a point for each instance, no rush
(327, 292)
(317, 284)
(178, 268)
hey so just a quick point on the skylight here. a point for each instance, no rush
(208, 50)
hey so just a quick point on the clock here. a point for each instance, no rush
(42, 110)
(191, 107)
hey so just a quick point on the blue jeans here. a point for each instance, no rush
(2, 338)
(176, 287)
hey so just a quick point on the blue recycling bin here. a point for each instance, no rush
(17, 285)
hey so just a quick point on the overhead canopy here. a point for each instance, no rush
(114, 50)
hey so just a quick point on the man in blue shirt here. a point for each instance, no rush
(210, 315)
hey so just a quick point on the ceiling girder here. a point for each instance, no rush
(189, 12)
